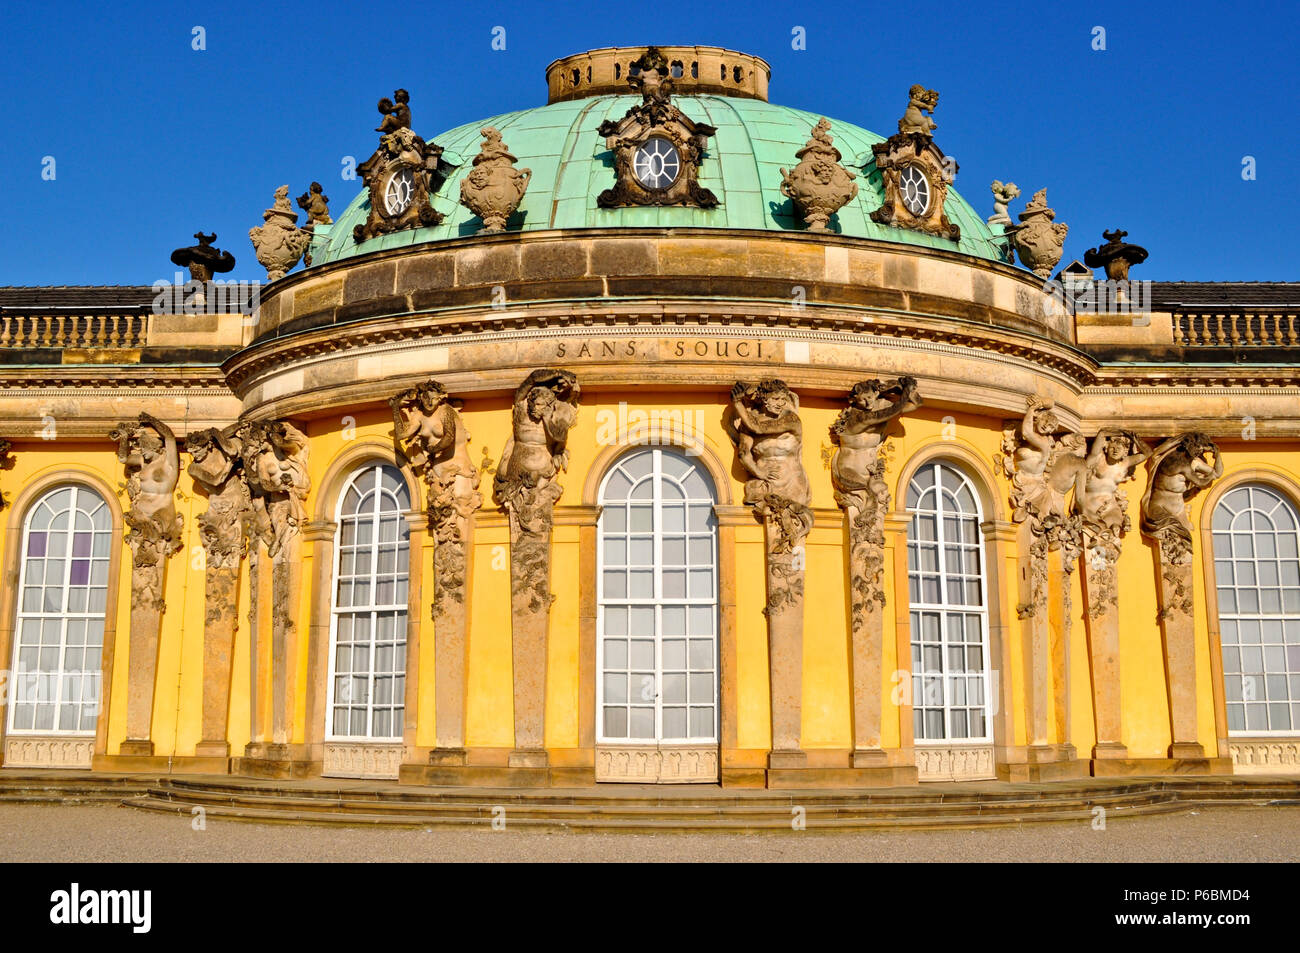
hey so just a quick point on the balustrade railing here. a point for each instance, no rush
(1229, 329)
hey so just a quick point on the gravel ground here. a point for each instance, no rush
(59, 833)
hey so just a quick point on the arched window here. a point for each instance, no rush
(367, 686)
(949, 619)
(1257, 573)
(56, 680)
(658, 602)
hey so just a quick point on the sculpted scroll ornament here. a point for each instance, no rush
(431, 434)
(147, 448)
(1179, 469)
(495, 188)
(274, 454)
(1102, 508)
(763, 422)
(818, 186)
(857, 475)
(545, 408)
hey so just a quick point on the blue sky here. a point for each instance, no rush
(153, 140)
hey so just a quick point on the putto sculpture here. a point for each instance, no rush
(921, 102)
(279, 242)
(1002, 196)
(657, 148)
(915, 172)
(147, 449)
(1039, 241)
(1116, 256)
(818, 186)
(202, 260)
(431, 434)
(402, 175)
(495, 188)
(857, 475)
(316, 204)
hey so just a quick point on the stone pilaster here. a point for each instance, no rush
(1100, 579)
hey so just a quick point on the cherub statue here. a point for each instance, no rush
(858, 432)
(1179, 470)
(651, 77)
(396, 116)
(316, 204)
(1097, 494)
(763, 422)
(1002, 196)
(920, 102)
(149, 452)
(545, 408)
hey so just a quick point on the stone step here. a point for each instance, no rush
(717, 823)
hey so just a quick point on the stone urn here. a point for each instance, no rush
(818, 186)
(1039, 241)
(495, 188)
(279, 243)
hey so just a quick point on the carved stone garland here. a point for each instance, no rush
(857, 475)
(217, 467)
(1102, 510)
(915, 172)
(431, 434)
(682, 143)
(402, 175)
(763, 422)
(147, 449)
(274, 454)
(1178, 470)
(545, 408)
(1043, 462)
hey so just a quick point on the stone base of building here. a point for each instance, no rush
(159, 764)
(277, 761)
(1042, 763)
(1146, 767)
(496, 776)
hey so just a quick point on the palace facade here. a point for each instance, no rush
(661, 434)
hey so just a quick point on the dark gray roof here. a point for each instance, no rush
(58, 297)
(1225, 294)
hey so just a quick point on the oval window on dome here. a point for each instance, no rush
(915, 189)
(657, 163)
(398, 192)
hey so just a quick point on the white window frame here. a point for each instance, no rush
(658, 602)
(374, 610)
(1237, 616)
(943, 607)
(64, 617)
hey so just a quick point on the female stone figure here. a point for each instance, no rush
(764, 425)
(275, 462)
(149, 452)
(545, 407)
(858, 432)
(1179, 470)
(1110, 462)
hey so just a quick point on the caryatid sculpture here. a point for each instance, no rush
(432, 435)
(545, 408)
(1043, 463)
(147, 448)
(217, 466)
(1098, 498)
(275, 465)
(1179, 470)
(763, 422)
(764, 425)
(857, 474)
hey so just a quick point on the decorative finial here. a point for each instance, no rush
(202, 259)
(1116, 256)
(1038, 239)
(818, 186)
(279, 242)
(495, 188)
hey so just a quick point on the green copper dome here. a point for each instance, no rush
(571, 167)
